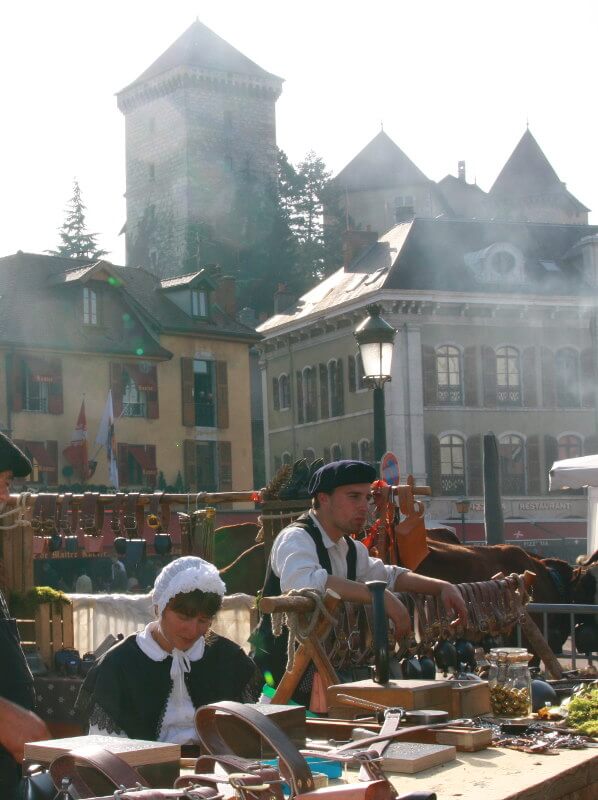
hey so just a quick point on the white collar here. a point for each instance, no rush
(150, 647)
(326, 540)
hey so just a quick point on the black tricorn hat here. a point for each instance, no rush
(13, 459)
(340, 473)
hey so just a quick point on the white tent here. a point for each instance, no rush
(575, 473)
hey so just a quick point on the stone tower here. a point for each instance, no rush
(200, 134)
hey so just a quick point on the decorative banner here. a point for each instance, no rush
(389, 468)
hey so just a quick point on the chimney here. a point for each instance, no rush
(283, 299)
(461, 171)
(355, 243)
(224, 295)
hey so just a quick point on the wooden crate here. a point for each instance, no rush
(17, 558)
(53, 630)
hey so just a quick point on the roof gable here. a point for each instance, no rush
(381, 164)
(527, 171)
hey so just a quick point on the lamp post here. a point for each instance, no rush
(462, 507)
(375, 339)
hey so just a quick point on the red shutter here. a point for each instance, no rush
(222, 394)
(352, 374)
(151, 477)
(116, 385)
(123, 463)
(275, 395)
(153, 411)
(55, 404)
(534, 478)
(190, 460)
(323, 391)
(470, 376)
(17, 382)
(551, 454)
(340, 387)
(489, 376)
(300, 410)
(548, 378)
(225, 467)
(528, 377)
(187, 393)
(588, 378)
(475, 476)
(433, 463)
(430, 376)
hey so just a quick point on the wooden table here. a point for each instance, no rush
(501, 774)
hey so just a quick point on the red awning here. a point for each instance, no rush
(40, 370)
(37, 451)
(144, 381)
(146, 460)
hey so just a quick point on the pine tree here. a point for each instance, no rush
(75, 241)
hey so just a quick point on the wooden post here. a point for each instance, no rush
(42, 633)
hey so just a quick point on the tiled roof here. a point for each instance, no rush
(201, 48)
(185, 280)
(381, 164)
(435, 255)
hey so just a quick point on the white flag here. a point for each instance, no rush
(105, 438)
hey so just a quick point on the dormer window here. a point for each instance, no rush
(90, 306)
(199, 303)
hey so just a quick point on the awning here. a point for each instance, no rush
(522, 531)
(37, 451)
(40, 370)
(574, 473)
(144, 381)
(145, 460)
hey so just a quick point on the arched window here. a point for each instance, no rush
(567, 378)
(309, 394)
(275, 394)
(336, 452)
(335, 388)
(309, 454)
(286, 458)
(569, 446)
(356, 382)
(365, 450)
(284, 392)
(452, 464)
(448, 375)
(508, 377)
(512, 464)
(134, 400)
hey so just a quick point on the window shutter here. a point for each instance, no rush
(354, 451)
(323, 391)
(590, 445)
(533, 465)
(299, 397)
(433, 463)
(225, 467)
(55, 403)
(187, 392)
(430, 376)
(117, 388)
(470, 376)
(150, 453)
(588, 379)
(548, 379)
(153, 411)
(489, 375)
(311, 412)
(190, 462)
(275, 395)
(327, 455)
(222, 394)
(475, 475)
(352, 374)
(17, 383)
(340, 387)
(551, 454)
(123, 463)
(528, 377)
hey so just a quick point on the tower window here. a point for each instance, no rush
(90, 307)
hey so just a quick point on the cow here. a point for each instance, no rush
(232, 540)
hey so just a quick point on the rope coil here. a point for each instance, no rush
(19, 509)
(290, 619)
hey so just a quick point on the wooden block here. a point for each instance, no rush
(468, 741)
(470, 699)
(411, 757)
(68, 633)
(246, 743)
(42, 633)
(410, 694)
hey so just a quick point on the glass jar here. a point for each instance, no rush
(510, 682)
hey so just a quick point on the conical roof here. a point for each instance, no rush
(527, 171)
(201, 48)
(381, 164)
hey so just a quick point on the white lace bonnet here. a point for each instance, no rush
(185, 575)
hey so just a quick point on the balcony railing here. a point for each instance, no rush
(450, 396)
(452, 484)
(134, 410)
(508, 397)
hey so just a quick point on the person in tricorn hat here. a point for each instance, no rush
(18, 724)
(317, 552)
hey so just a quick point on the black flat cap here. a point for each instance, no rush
(13, 459)
(340, 473)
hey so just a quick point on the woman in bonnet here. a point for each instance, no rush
(149, 685)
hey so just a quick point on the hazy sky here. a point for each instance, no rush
(449, 80)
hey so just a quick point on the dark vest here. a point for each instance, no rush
(269, 651)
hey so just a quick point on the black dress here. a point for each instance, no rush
(126, 692)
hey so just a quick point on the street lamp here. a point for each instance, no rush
(375, 339)
(462, 507)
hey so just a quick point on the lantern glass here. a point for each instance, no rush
(376, 358)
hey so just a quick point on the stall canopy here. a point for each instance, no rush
(574, 473)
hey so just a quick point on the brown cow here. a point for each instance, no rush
(231, 541)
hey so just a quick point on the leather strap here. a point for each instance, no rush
(293, 766)
(111, 766)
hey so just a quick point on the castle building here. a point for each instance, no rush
(200, 137)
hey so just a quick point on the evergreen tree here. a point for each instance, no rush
(75, 241)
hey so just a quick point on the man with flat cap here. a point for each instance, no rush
(18, 724)
(317, 552)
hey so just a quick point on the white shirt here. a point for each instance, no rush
(295, 561)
